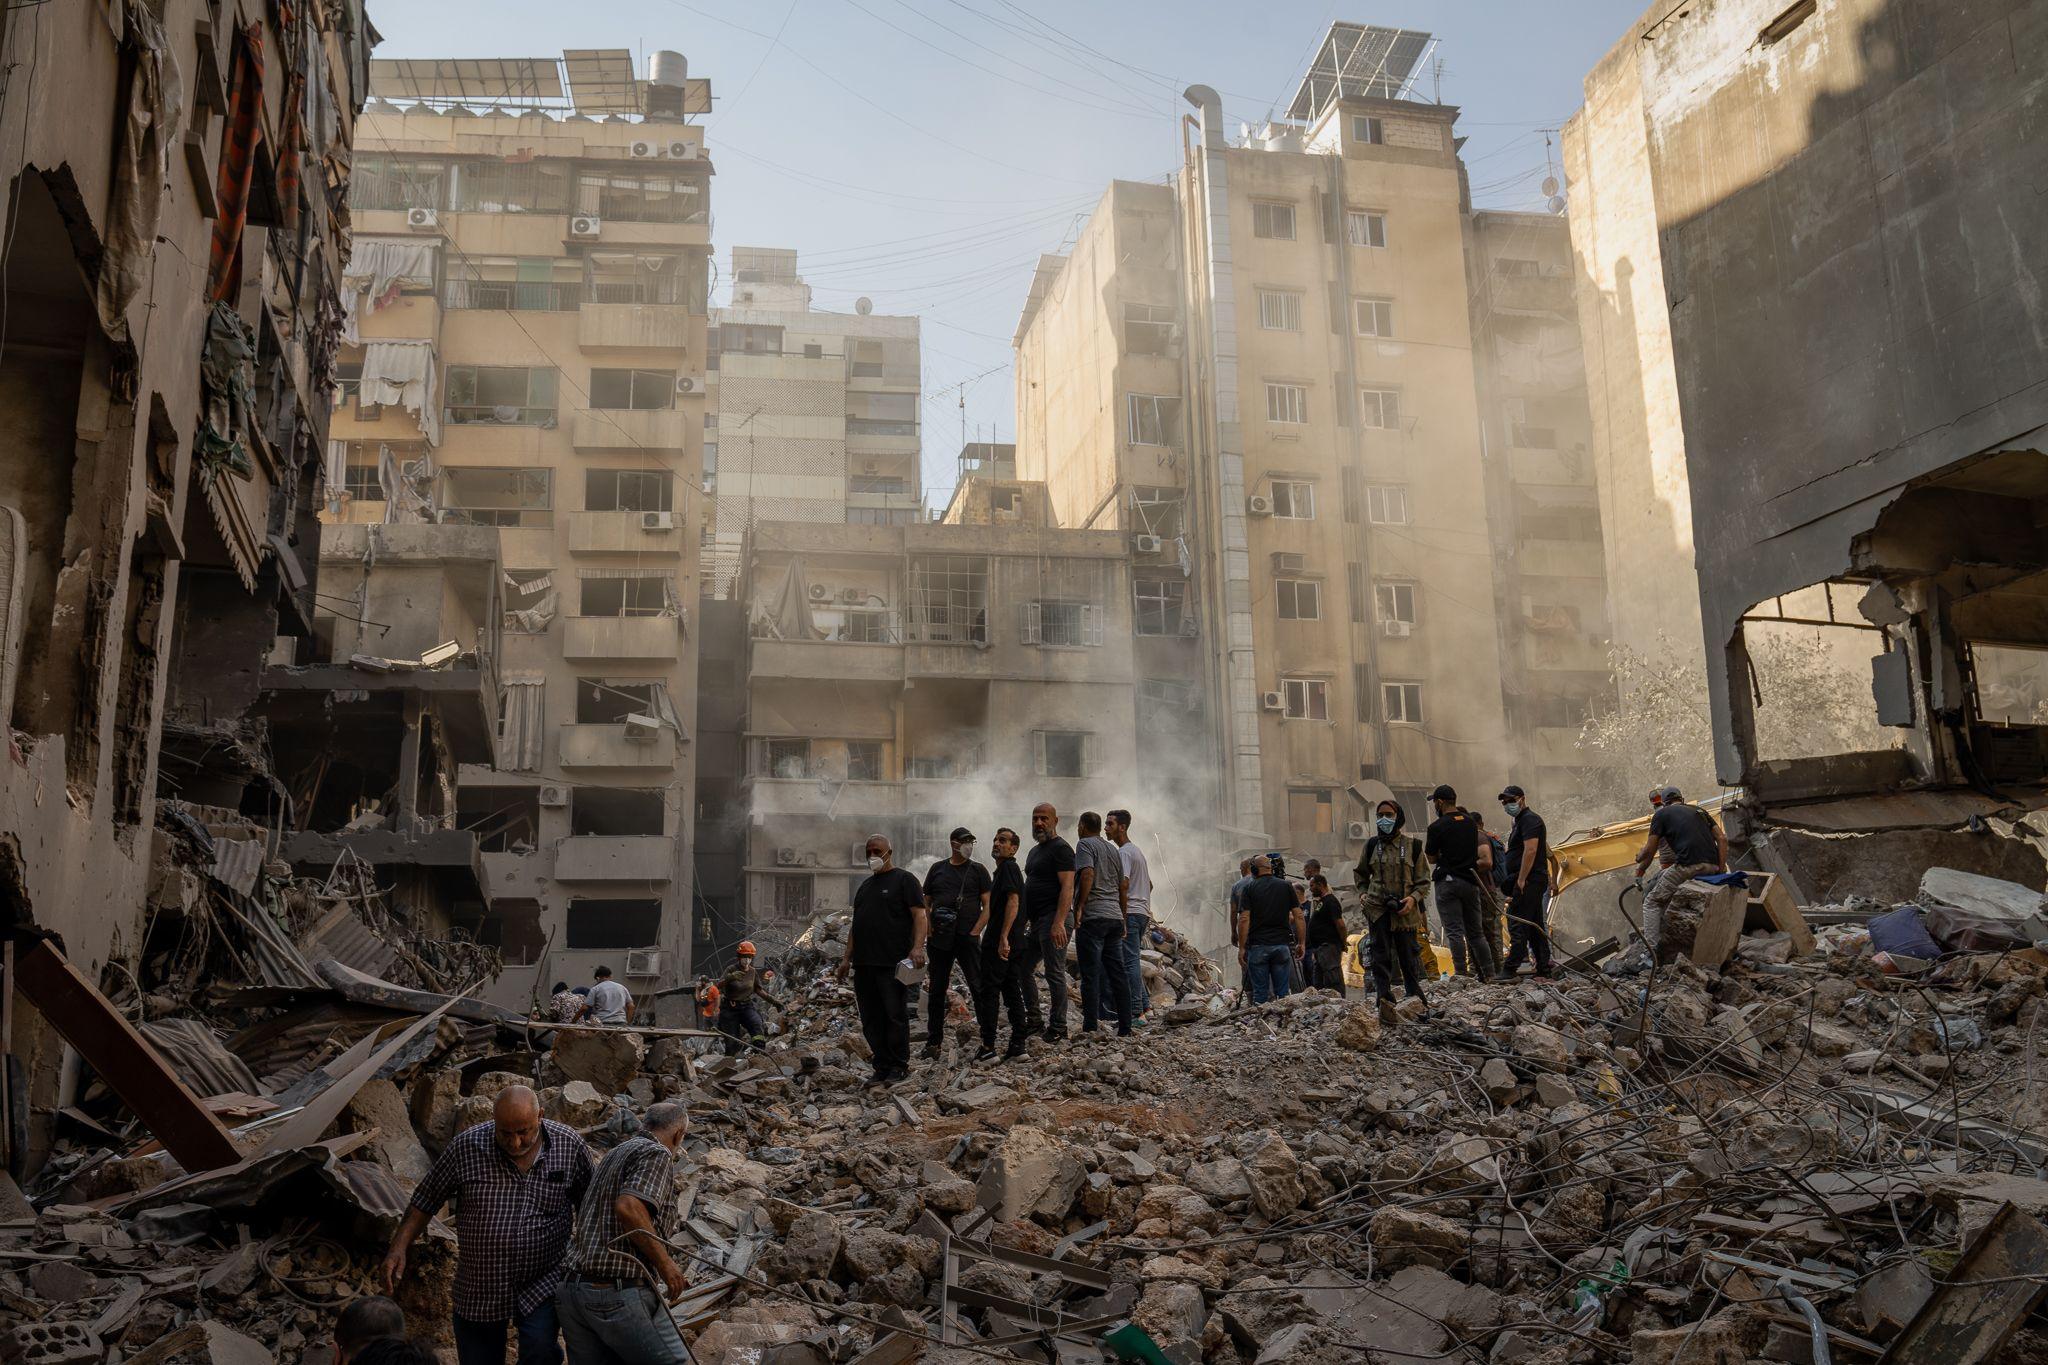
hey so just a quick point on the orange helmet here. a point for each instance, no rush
(745, 949)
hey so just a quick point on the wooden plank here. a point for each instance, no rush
(1783, 913)
(1995, 1284)
(1720, 926)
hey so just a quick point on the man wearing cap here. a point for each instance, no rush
(1457, 860)
(1685, 837)
(1529, 883)
(956, 892)
(739, 1018)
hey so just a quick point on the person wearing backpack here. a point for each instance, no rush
(1453, 847)
(1392, 876)
(1494, 888)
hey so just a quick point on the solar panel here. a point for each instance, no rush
(1359, 60)
(601, 80)
(481, 79)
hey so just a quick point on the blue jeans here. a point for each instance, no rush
(1268, 971)
(1134, 940)
(628, 1325)
(483, 1343)
(1100, 950)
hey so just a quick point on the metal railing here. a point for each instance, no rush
(525, 296)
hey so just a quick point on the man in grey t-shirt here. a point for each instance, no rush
(1100, 888)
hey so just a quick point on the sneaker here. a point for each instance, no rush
(1014, 1052)
(987, 1054)
(1052, 1037)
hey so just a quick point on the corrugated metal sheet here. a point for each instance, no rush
(200, 1058)
(342, 935)
(236, 862)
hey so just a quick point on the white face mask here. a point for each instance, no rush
(875, 863)
(965, 849)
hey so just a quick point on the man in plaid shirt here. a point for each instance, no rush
(516, 1182)
(619, 1272)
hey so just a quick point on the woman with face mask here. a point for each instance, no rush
(1391, 876)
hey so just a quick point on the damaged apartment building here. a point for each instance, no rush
(906, 679)
(523, 400)
(1869, 210)
(1337, 419)
(176, 232)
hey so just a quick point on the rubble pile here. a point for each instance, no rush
(1814, 1149)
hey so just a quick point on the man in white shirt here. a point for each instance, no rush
(1137, 904)
(608, 1001)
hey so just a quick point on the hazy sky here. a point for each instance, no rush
(924, 152)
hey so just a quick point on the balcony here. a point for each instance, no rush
(633, 327)
(615, 858)
(606, 746)
(622, 637)
(613, 232)
(1561, 558)
(618, 533)
(514, 296)
(1541, 293)
(833, 660)
(1557, 746)
(824, 798)
(603, 430)
(905, 501)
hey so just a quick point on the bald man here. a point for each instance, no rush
(516, 1181)
(889, 927)
(1049, 913)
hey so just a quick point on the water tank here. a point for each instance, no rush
(667, 68)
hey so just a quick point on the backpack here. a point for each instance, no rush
(1502, 878)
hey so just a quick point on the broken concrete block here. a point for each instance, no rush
(1406, 1236)
(1541, 1047)
(738, 1168)
(54, 1343)
(1172, 1310)
(1030, 1174)
(1222, 1180)
(1497, 1079)
(1359, 1029)
(435, 1097)
(1275, 1176)
(1991, 897)
(378, 1107)
(62, 1282)
(578, 1104)
(608, 1058)
(809, 1250)
(1730, 1337)
(1553, 1093)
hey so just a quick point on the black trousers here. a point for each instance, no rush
(1039, 950)
(884, 1007)
(741, 1024)
(1002, 985)
(1390, 946)
(943, 948)
(1528, 929)
(1326, 967)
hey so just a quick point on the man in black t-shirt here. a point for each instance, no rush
(889, 926)
(1049, 908)
(1529, 884)
(1271, 934)
(1002, 949)
(1452, 846)
(1698, 848)
(956, 890)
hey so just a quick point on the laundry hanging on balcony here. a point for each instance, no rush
(401, 374)
(378, 269)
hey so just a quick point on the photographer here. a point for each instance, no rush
(1391, 876)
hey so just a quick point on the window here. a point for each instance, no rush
(1161, 605)
(596, 924)
(616, 811)
(1402, 703)
(1368, 129)
(505, 394)
(1272, 220)
(813, 351)
(1363, 227)
(646, 595)
(608, 701)
(875, 483)
(786, 758)
(529, 601)
(949, 598)
(928, 836)
(640, 197)
(863, 760)
(1294, 499)
(628, 490)
(863, 359)
(1061, 624)
(1279, 310)
(360, 482)
(1148, 329)
(1154, 419)
(757, 339)
(1300, 599)
(1373, 317)
(615, 390)
(1354, 583)
(1060, 753)
(791, 895)
(1311, 810)
(498, 497)
(1379, 409)
(1286, 403)
(511, 187)
(1305, 698)
(1386, 504)
(865, 626)
(1006, 503)
(929, 767)
(1395, 601)
(1518, 267)
(881, 414)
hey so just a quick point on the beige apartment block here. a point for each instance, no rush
(814, 414)
(1263, 375)
(530, 297)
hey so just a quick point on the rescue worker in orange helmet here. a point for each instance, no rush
(739, 1016)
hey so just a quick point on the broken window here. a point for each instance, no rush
(1304, 699)
(929, 835)
(638, 595)
(1159, 512)
(596, 924)
(2011, 683)
(529, 601)
(616, 811)
(1402, 703)
(1395, 602)
(608, 701)
(929, 767)
(1154, 419)
(628, 490)
(791, 895)
(498, 497)
(1294, 499)
(1311, 810)
(632, 390)
(511, 187)
(640, 197)
(1161, 604)
(1516, 266)
(1298, 599)
(1061, 623)
(1272, 220)
(522, 700)
(1148, 329)
(618, 277)
(384, 182)
(864, 760)
(1286, 403)
(749, 339)
(508, 395)
(787, 759)
(949, 598)
(1060, 753)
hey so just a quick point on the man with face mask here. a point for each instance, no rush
(1457, 859)
(888, 928)
(1002, 949)
(1391, 876)
(620, 1269)
(956, 892)
(1529, 871)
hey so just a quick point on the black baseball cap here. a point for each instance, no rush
(1512, 793)
(1443, 792)
(963, 835)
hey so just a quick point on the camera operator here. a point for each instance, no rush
(1392, 876)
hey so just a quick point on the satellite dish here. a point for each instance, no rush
(1557, 203)
(1550, 184)
(863, 305)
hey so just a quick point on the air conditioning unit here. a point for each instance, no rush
(423, 220)
(1258, 505)
(554, 798)
(1355, 830)
(643, 150)
(657, 521)
(1146, 545)
(680, 150)
(785, 857)
(641, 729)
(688, 383)
(1399, 630)
(1273, 701)
(818, 592)
(1288, 561)
(852, 596)
(586, 225)
(646, 961)
(859, 856)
